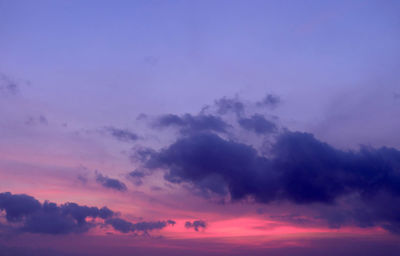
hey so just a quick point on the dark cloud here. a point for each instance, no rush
(18, 206)
(192, 123)
(49, 218)
(122, 134)
(196, 225)
(299, 169)
(258, 124)
(144, 227)
(212, 163)
(269, 101)
(229, 105)
(110, 183)
(120, 225)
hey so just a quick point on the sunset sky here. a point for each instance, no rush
(199, 128)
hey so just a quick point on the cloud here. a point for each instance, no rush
(226, 105)
(144, 227)
(49, 218)
(192, 123)
(7, 85)
(269, 101)
(29, 215)
(196, 225)
(122, 134)
(136, 176)
(42, 120)
(18, 206)
(299, 169)
(110, 183)
(258, 124)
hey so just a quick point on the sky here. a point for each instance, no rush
(199, 127)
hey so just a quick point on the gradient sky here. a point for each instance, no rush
(199, 127)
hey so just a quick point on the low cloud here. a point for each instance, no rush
(299, 169)
(49, 218)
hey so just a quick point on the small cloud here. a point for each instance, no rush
(8, 86)
(110, 183)
(40, 120)
(136, 176)
(124, 226)
(269, 100)
(82, 178)
(122, 134)
(196, 225)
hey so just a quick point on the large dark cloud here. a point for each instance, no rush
(110, 182)
(49, 218)
(257, 123)
(196, 225)
(299, 169)
(192, 123)
(144, 227)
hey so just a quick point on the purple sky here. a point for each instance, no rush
(203, 127)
